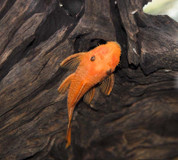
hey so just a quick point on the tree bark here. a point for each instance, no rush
(137, 121)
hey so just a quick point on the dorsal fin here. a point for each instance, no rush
(107, 84)
(72, 61)
(89, 96)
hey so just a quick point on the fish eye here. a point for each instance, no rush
(92, 58)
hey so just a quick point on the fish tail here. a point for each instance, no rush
(71, 106)
(68, 137)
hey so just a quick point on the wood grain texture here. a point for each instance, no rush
(137, 121)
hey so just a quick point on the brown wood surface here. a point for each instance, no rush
(139, 120)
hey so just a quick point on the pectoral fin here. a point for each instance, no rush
(65, 84)
(89, 96)
(107, 84)
(72, 61)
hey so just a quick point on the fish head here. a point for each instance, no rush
(112, 56)
(104, 58)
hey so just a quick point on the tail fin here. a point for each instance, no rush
(68, 137)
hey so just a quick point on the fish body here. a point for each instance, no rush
(92, 67)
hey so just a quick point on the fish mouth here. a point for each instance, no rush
(109, 72)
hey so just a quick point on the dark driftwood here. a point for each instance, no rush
(139, 120)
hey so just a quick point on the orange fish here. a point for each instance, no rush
(92, 67)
